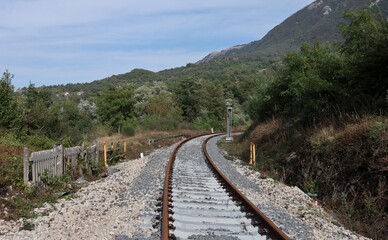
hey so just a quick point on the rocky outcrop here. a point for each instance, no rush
(221, 53)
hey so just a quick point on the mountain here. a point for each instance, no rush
(315, 22)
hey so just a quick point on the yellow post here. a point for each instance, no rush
(105, 159)
(125, 149)
(250, 154)
(253, 153)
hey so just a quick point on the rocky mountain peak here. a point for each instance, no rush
(317, 21)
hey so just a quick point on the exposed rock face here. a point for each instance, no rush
(326, 10)
(374, 3)
(315, 4)
(216, 54)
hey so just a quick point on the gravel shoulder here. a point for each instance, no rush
(120, 206)
(300, 216)
(124, 204)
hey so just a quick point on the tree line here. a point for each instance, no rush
(322, 81)
(325, 81)
(40, 117)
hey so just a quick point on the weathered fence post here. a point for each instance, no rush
(26, 165)
(125, 150)
(97, 151)
(60, 161)
(105, 158)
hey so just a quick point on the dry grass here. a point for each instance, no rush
(344, 162)
(140, 143)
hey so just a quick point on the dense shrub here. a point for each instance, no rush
(129, 128)
(40, 142)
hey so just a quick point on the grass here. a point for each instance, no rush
(140, 143)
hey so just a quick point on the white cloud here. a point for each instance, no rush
(97, 38)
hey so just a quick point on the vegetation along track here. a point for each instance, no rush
(198, 200)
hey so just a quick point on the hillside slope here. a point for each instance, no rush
(316, 22)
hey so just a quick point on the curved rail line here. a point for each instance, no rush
(265, 226)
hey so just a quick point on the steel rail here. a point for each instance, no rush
(257, 215)
(166, 192)
(259, 218)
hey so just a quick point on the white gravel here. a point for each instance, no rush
(123, 205)
(110, 208)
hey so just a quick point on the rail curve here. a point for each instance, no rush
(198, 199)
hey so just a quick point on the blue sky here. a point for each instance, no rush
(50, 42)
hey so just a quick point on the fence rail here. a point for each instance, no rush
(55, 162)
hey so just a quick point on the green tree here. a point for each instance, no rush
(307, 88)
(116, 106)
(37, 116)
(211, 101)
(163, 105)
(9, 116)
(189, 98)
(202, 102)
(145, 93)
(366, 51)
(33, 94)
(162, 112)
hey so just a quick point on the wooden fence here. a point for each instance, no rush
(114, 152)
(55, 162)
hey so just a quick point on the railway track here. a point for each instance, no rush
(198, 200)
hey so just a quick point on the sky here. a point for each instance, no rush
(53, 42)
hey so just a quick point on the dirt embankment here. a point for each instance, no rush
(345, 167)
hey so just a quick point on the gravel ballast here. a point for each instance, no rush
(124, 205)
(120, 206)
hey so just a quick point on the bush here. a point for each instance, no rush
(154, 122)
(10, 138)
(11, 170)
(40, 142)
(28, 225)
(129, 128)
(206, 123)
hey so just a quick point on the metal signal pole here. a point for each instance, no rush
(229, 109)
